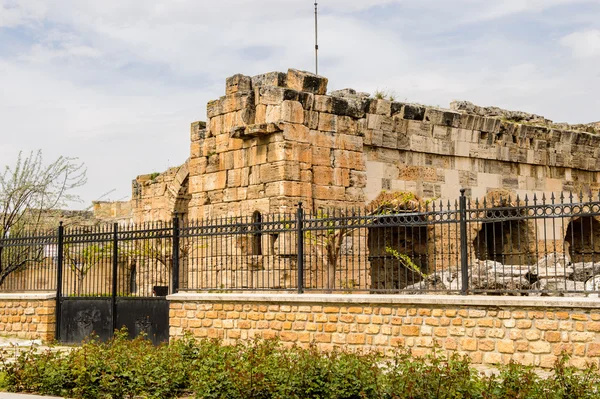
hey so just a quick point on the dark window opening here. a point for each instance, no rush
(504, 240)
(582, 240)
(256, 233)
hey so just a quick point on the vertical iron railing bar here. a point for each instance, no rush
(59, 277)
(115, 255)
(300, 247)
(175, 255)
(463, 242)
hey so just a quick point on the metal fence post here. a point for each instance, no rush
(115, 265)
(59, 277)
(464, 256)
(300, 249)
(175, 271)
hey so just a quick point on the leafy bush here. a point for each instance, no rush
(265, 369)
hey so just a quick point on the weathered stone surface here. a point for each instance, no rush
(593, 284)
(238, 82)
(413, 112)
(558, 286)
(516, 116)
(278, 138)
(277, 79)
(306, 81)
(553, 265)
(583, 271)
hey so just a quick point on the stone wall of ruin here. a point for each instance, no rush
(115, 211)
(276, 139)
(160, 196)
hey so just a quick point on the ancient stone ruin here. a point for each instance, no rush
(277, 139)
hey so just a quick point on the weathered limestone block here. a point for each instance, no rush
(269, 95)
(380, 122)
(197, 131)
(257, 155)
(234, 178)
(389, 139)
(552, 266)
(323, 103)
(214, 181)
(277, 79)
(215, 126)
(380, 107)
(290, 151)
(306, 81)
(442, 117)
(251, 131)
(488, 274)
(277, 171)
(490, 125)
(334, 193)
(273, 114)
(296, 132)
(413, 112)
(288, 189)
(560, 285)
(327, 122)
(348, 142)
(346, 125)
(292, 112)
(419, 128)
(321, 156)
(311, 119)
(348, 160)
(583, 271)
(323, 175)
(355, 195)
(231, 121)
(238, 82)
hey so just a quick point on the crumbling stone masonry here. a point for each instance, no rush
(276, 139)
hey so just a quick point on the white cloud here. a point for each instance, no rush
(583, 44)
(117, 82)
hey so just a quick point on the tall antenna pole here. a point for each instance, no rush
(316, 42)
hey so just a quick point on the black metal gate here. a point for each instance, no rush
(109, 278)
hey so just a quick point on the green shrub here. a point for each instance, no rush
(265, 369)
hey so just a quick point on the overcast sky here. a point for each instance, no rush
(117, 82)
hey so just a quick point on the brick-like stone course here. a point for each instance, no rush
(487, 333)
(29, 318)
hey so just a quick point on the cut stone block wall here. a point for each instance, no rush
(490, 330)
(29, 316)
(279, 138)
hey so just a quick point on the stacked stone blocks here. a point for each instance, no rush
(28, 318)
(487, 334)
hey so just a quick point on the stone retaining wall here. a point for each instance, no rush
(490, 330)
(30, 316)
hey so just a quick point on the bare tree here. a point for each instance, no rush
(28, 190)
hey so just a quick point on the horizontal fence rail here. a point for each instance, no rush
(501, 245)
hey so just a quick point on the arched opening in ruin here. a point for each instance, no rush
(397, 241)
(256, 233)
(182, 201)
(583, 239)
(505, 237)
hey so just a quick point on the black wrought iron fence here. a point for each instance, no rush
(501, 245)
